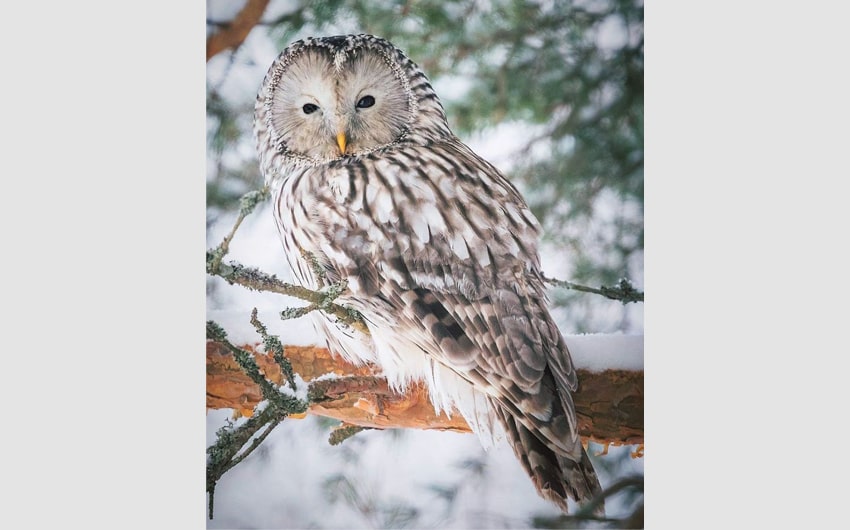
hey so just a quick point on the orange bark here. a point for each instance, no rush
(234, 34)
(609, 405)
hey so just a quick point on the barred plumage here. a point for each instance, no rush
(439, 250)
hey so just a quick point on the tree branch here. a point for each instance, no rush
(624, 291)
(234, 33)
(257, 280)
(227, 450)
(609, 405)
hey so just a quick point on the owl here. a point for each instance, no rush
(437, 248)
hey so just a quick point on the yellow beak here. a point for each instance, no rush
(340, 141)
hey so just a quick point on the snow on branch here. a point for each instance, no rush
(609, 403)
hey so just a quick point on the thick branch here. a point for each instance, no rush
(234, 33)
(609, 405)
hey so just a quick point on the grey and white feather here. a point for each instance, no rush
(438, 248)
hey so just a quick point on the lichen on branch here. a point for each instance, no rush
(624, 291)
(255, 279)
(227, 451)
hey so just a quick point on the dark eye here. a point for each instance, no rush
(309, 108)
(365, 102)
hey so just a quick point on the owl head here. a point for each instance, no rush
(329, 98)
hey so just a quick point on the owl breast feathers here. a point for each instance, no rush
(438, 249)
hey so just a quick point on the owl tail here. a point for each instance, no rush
(555, 475)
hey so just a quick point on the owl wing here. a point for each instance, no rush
(439, 235)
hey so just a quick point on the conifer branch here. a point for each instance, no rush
(234, 33)
(227, 451)
(624, 291)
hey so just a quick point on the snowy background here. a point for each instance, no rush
(377, 479)
(103, 309)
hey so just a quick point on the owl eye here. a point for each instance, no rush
(365, 102)
(309, 108)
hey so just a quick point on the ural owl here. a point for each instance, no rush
(438, 249)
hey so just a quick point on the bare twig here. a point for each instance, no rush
(585, 512)
(632, 482)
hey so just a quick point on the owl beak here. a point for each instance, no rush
(340, 141)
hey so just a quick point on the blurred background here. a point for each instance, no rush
(551, 93)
